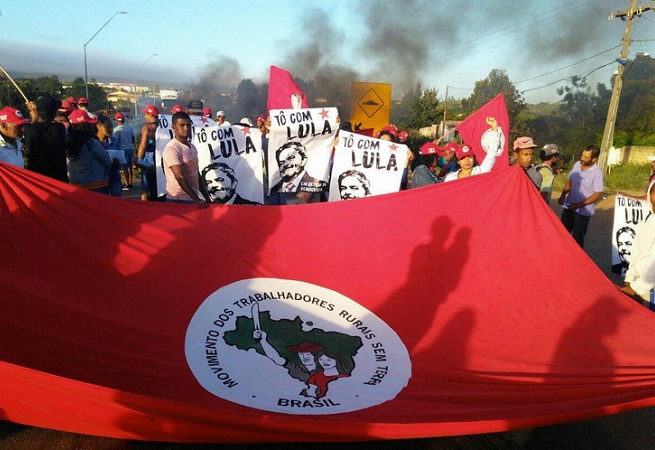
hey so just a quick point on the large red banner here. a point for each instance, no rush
(308, 323)
(474, 130)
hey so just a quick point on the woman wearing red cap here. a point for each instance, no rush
(466, 158)
(88, 162)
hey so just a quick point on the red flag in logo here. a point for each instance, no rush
(473, 129)
(283, 92)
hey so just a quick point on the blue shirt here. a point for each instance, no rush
(584, 183)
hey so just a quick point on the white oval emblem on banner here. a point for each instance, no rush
(292, 347)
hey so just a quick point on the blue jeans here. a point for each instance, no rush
(576, 224)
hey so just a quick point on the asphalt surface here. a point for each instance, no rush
(631, 430)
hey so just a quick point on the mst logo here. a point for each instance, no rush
(293, 347)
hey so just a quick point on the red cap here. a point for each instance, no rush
(392, 129)
(451, 146)
(151, 109)
(207, 112)
(82, 101)
(428, 148)
(65, 107)
(119, 116)
(176, 109)
(403, 135)
(81, 116)
(260, 119)
(463, 151)
(11, 115)
(71, 100)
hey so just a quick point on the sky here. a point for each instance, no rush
(443, 44)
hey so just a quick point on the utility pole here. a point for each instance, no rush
(608, 133)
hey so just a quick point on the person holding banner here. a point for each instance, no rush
(180, 160)
(423, 172)
(11, 133)
(639, 282)
(523, 157)
(466, 158)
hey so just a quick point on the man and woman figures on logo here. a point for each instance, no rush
(317, 366)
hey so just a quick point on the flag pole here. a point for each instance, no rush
(14, 83)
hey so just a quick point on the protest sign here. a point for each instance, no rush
(299, 149)
(230, 160)
(365, 166)
(628, 214)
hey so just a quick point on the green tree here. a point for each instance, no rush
(496, 82)
(401, 111)
(97, 95)
(426, 110)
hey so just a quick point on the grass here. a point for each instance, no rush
(626, 177)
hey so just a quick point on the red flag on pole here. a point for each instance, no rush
(238, 324)
(474, 127)
(283, 92)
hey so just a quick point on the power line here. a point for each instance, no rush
(570, 65)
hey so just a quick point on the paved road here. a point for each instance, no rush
(626, 431)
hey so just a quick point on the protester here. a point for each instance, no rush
(124, 137)
(45, 140)
(11, 133)
(639, 282)
(195, 108)
(63, 112)
(88, 162)
(207, 112)
(549, 156)
(466, 157)
(146, 154)
(423, 171)
(83, 103)
(447, 161)
(220, 119)
(387, 135)
(261, 125)
(523, 157)
(72, 102)
(584, 187)
(104, 135)
(180, 160)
